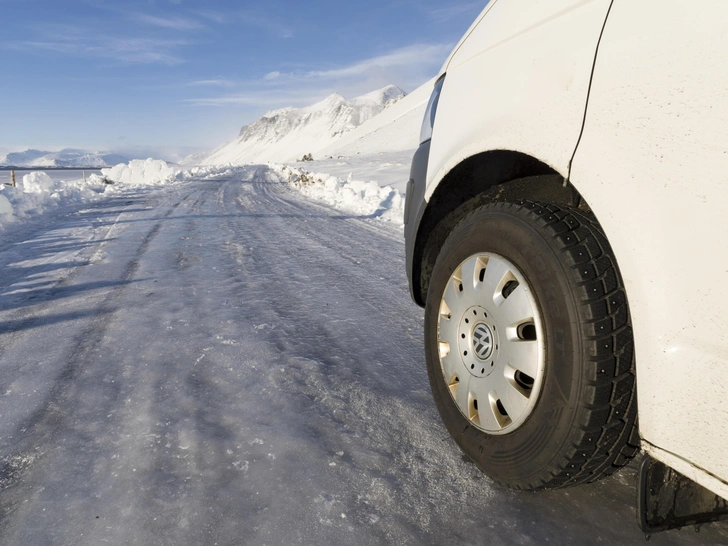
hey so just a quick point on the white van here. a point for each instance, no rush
(567, 233)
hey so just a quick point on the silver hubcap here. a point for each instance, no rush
(491, 343)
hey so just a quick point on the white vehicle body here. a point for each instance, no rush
(652, 165)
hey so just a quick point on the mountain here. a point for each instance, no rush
(395, 129)
(290, 133)
(20, 159)
(68, 157)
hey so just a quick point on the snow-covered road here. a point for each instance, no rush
(225, 362)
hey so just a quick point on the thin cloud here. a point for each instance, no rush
(247, 100)
(407, 67)
(249, 19)
(213, 16)
(211, 83)
(260, 99)
(174, 23)
(265, 23)
(405, 57)
(127, 50)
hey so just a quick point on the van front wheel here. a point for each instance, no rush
(529, 346)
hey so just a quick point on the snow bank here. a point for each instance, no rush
(359, 197)
(140, 172)
(37, 182)
(386, 168)
(5, 206)
(38, 192)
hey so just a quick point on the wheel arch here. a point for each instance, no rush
(480, 179)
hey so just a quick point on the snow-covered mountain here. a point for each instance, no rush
(20, 159)
(395, 129)
(380, 149)
(68, 157)
(290, 133)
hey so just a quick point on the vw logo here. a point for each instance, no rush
(482, 341)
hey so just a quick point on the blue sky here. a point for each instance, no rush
(116, 75)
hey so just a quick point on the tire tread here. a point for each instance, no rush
(612, 411)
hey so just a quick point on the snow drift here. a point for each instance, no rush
(355, 196)
(36, 182)
(140, 172)
(5, 206)
(37, 192)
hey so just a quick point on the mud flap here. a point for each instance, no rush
(668, 500)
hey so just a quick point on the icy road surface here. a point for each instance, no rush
(224, 362)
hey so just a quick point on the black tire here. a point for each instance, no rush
(583, 426)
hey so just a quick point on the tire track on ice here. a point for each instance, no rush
(35, 435)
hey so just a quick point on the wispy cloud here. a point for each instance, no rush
(258, 98)
(407, 67)
(213, 16)
(262, 94)
(271, 25)
(212, 83)
(409, 56)
(250, 19)
(126, 50)
(174, 23)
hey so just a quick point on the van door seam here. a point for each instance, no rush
(588, 94)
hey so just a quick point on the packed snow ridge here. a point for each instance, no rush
(290, 133)
(69, 157)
